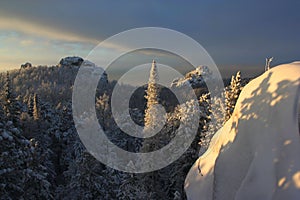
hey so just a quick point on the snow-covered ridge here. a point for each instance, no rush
(255, 155)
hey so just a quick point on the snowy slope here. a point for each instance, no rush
(256, 155)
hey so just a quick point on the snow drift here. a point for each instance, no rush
(256, 154)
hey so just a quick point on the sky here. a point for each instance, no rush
(238, 35)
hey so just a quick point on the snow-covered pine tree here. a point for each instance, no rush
(30, 105)
(132, 189)
(11, 106)
(36, 108)
(154, 118)
(13, 159)
(213, 121)
(152, 99)
(205, 111)
(151, 181)
(172, 177)
(7, 95)
(22, 173)
(2, 116)
(37, 184)
(103, 110)
(232, 93)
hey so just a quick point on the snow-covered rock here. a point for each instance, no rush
(195, 78)
(88, 63)
(89, 69)
(256, 154)
(26, 65)
(71, 61)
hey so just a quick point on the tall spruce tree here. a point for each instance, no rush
(154, 117)
(152, 98)
(151, 182)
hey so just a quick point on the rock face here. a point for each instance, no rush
(71, 61)
(195, 78)
(89, 67)
(26, 65)
(256, 154)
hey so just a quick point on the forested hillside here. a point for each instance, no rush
(42, 156)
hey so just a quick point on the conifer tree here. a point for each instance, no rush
(22, 173)
(30, 105)
(7, 100)
(212, 118)
(151, 182)
(232, 93)
(154, 119)
(36, 107)
(11, 107)
(1, 113)
(152, 98)
(154, 114)
(103, 108)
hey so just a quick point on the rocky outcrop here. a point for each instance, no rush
(71, 61)
(195, 78)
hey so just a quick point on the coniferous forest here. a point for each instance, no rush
(42, 156)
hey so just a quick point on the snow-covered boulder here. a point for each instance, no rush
(256, 154)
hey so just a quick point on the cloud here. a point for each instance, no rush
(27, 42)
(232, 34)
(35, 42)
(39, 30)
